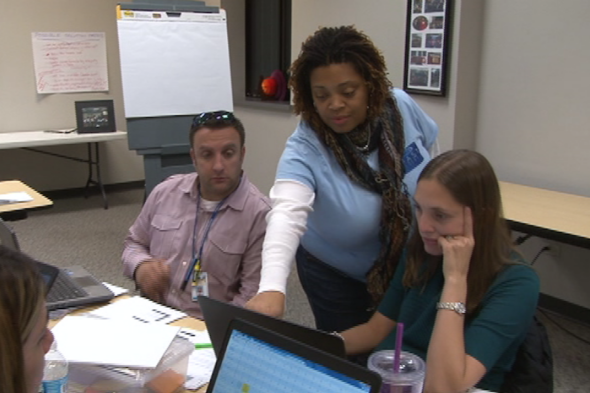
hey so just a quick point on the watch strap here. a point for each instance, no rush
(458, 307)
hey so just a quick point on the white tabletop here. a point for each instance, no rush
(15, 140)
(18, 186)
(551, 210)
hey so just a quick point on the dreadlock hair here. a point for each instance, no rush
(337, 45)
(345, 44)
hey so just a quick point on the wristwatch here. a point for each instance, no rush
(458, 307)
(337, 334)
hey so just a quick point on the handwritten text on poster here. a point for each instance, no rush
(70, 62)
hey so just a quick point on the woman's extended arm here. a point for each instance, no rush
(286, 222)
(365, 337)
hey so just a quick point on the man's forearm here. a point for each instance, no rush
(133, 255)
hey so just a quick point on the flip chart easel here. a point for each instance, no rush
(174, 64)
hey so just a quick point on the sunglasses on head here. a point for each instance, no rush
(205, 117)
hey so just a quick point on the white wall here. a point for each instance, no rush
(22, 109)
(534, 114)
(564, 277)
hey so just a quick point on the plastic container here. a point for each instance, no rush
(409, 379)
(55, 373)
(168, 377)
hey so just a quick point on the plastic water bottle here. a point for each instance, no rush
(55, 374)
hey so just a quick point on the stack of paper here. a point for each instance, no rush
(133, 332)
(15, 197)
(113, 342)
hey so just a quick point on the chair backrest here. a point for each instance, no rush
(532, 371)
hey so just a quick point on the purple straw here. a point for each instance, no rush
(398, 346)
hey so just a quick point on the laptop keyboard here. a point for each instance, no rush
(62, 289)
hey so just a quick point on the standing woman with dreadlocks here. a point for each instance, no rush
(341, 196)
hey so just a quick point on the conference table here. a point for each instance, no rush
(18, 210)
(186, 322)
(552, 215)
(548, 214)
(30, 140)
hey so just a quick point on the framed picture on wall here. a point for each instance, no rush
(95, 116)
(428, 32)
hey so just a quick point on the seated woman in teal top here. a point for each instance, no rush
(465, 300)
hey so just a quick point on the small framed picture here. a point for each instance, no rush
(95, 116)
(428, 32)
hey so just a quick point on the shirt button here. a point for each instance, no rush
(184, 263)
(174, 291)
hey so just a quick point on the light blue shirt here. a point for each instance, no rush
(343, 228)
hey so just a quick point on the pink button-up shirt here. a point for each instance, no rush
(231, 254)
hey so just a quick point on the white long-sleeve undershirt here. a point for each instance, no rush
(292, 201)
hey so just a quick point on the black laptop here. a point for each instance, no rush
(255, 359)
(218, 315)
(68, 287)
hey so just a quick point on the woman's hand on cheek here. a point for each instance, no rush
(457, 249)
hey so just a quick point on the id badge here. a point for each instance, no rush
(200, 285)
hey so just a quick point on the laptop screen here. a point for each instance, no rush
(49, 274)
(218, 316)
(252, 365)
(8, 237)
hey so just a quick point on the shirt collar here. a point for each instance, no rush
(237, 200)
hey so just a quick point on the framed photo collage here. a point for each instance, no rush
(427, 46)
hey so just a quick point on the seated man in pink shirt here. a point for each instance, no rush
(201, 233)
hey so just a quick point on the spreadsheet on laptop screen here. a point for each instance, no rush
(252, 365)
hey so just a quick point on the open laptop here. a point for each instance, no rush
(67, 287)
(218, 316)
(255, 359)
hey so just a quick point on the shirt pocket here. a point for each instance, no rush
(225, 256)
(165, 234)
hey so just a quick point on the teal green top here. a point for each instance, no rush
(492, 336)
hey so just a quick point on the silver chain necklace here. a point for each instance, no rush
(365, 149)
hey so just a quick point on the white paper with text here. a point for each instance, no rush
(138, 309)
(69, 62)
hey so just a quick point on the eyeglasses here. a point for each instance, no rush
(206, 117)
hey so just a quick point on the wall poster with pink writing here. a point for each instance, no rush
(70, 62)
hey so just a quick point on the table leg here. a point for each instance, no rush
(92, 163)
(95, 162)
(14, 215)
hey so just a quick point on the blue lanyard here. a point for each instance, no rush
(197, 258)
